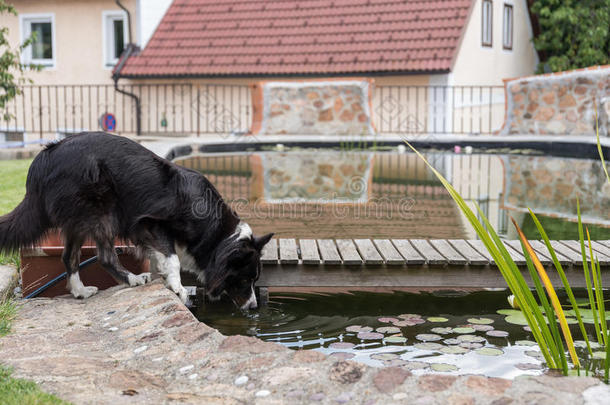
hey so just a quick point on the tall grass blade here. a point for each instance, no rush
(598, 290)
(599, 145)
(552, 295)
(564, 280)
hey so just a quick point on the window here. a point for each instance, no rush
(507, 28)
(42, 49)
(487, 23)
(115, 36)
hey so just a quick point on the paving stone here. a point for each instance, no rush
(488, 386)
(436, 383)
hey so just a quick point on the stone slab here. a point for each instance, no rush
(8, 281)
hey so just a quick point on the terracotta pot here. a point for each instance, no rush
(42, 263)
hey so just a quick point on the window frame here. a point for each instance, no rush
(108, 40)
(25, 30)
(491, 23)
(509, 46)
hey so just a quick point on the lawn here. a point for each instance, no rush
(12, 189)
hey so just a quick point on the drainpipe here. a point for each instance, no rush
(116, 75)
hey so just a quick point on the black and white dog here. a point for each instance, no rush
(101, 186)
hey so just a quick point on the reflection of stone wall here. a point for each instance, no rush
(559, 104)
(317, 176)
(552, 185)
(334, 107)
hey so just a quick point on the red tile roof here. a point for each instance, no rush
(302, 37)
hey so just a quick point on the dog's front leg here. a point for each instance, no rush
(169, 268)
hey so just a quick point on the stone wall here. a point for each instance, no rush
(533, 182)
(559, 103)
(329, 107)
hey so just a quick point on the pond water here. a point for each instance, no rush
(325, 193)
(454, 332)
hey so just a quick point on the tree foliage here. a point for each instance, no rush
(11, 69)
(573, 33)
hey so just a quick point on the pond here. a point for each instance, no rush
(389, 193)
(456, 332)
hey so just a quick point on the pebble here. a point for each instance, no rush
(262, 393)
(157, 359)
(241, 380)
(318, 396)
(184, 369)
(399, 395)
(113, 329)
(106, 318)
(343, 398)
(140, 349)
(193, 376)
(106, 325)
(250, 387)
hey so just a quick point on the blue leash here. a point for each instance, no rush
(64, 275)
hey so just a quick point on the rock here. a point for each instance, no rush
(317, 397)
(459, 399)
(186, 369)
(488, 385)
(338, 104)
(262, 393)
(181, 318)
(308, 356)
(596, 395)
(343, 398)
(241, 380)
(132, 379)
(567, 101)
(548, 97)
(325, 115)
(545, 114)
(387, 379)
(248, 344)
(346, 116)
(346, 372)
(285, 375)
(436, 383)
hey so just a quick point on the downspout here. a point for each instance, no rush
(116, 75)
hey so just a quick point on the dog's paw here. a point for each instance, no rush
(140, 279)
(180, 292)
(84, 292)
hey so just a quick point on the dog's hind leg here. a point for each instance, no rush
(110, 262)
(71, 260)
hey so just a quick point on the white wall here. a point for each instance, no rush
(149, 15)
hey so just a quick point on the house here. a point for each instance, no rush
(433, 61)
(438, 65)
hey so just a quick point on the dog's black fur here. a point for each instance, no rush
(101, 186)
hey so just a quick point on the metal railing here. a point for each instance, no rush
(187, 109)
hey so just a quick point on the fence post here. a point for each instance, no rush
(198, 107)
(40, 110)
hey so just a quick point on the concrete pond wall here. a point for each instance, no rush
(561, 103)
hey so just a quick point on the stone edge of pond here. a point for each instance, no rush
(8, 281)
(143, 345)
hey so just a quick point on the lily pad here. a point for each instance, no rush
(395, 339)
(415, 365)
(441, 331)
(516, 319)
(369, 336)
(343, 355)
(443, 367)
(480, 321)
(437, 319)
(527, 343)
(451, 341)
(387, 320)
(470, 339)
(402, 324)
(497, 333)
(409, 316)
(454, 350)
(341, 345)
(428, 337)
(535, 354)
(428, 346)
(388, 329)
(384, 356)
(482, 328)
(471, 345)
(358, 328)
(508, 312)
(489, 351)
(462, 330)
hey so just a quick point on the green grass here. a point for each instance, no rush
(15, 391)
(12, 189)
(8, 310)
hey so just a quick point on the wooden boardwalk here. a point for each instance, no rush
(440, 263)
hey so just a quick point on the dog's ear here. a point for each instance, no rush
(259, 242)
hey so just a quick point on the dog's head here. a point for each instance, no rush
(236, 267)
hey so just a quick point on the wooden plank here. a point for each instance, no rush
(309, 251)
(349, 253)
(427, 251)
(452, 255)
(288, 251)
(389, 252)
(575, 245)
(269, 254)
(600, 251)
(329, 252)
(606, 243)
(563, 259)
(474, 257)
(368, 251)
(542, 252)
(574, 257)
(514, 250)
(407, 251)
(479, 246)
